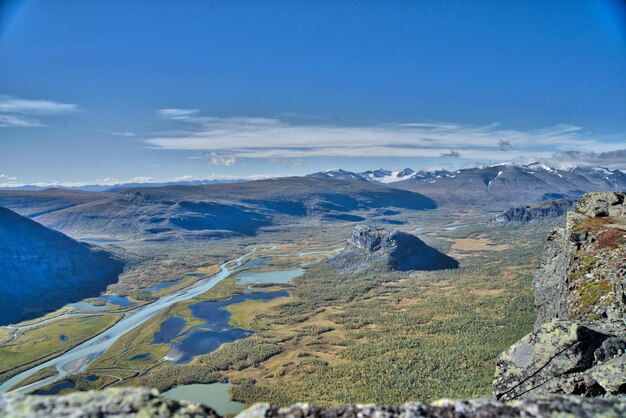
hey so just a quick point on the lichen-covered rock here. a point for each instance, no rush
(601, 204)
(582, 275)
(398, 250)
(557, 406)
(561, 357)
(145, 403)
(114, 402)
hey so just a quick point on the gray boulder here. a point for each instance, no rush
(561, 357)
(602, 204)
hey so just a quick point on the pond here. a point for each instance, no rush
(118, 300)
(214, 395)
(282, 276)
(56, 388)
(213, 332)
(85, 306)
(254, 262)
(170, 328)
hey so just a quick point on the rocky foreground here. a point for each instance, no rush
(137, 402)
(573, 364)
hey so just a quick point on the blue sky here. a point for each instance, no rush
(116, 90)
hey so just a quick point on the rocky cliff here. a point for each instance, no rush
(397, 250)
(579, 343)
(545, 212)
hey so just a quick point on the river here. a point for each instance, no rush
(78, 358)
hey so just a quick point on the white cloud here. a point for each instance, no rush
(16, 112)
(128, 134)
(611, 159)
(17, 121)
(226, 160)
(176, 113)
(111, 182)
(9, 104)
(245, 137)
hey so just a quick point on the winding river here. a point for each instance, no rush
(78, 358)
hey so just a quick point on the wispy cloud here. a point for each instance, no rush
(226, 160)
(611, 159)
(246, 137)
(177, 113)
(10, 104)
(117, 133)
(18, 113)
(18, 121)
(9, 182)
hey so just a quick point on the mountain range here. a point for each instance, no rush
(498, 185)
(215, 210)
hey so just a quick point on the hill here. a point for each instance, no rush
(42, 270)
(215, 210)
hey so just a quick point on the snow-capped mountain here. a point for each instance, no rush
(506, 182)
(386, 176)
(338, 174)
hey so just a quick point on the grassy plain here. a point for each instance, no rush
(54, 338)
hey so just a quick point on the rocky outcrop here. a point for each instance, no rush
(115, 402)
(136, 402)
(545, 212)
(398, 250)
(602, 204)
(579, 343)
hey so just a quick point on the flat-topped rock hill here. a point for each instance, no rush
(397, 250)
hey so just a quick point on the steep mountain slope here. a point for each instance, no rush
(225, 209)
(42, 270)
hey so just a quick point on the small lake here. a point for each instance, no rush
(170, 328)
(84, 306)
(214, 395)
(208, 336)
(282, 276)
(56, 388)
(120, 301)
(254, 262)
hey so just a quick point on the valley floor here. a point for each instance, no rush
(324, 336)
